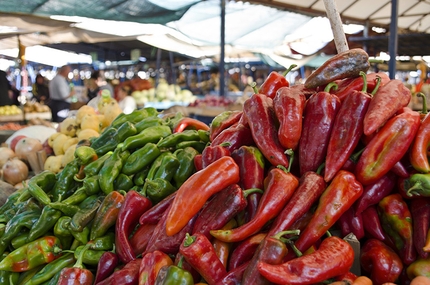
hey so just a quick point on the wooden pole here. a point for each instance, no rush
(336, 26)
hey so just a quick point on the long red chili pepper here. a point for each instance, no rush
(389, 99)
(128, 217)
(347, 130)
(106, 266)
(351, 222)
(261, 118)
(372, 225)
(189, 123)
(127, 275)
(339, 196)
(199, 252)
(234, 137)
(319, 115)
(198, 188)
(420, 211)
(153, 215)
(244, 251)
(212, 153)
(418, 153)
(387, 147)
(279, 187)
(334, 257)
(289, 105)
(139, 239)
(223, 121)
(274, 81)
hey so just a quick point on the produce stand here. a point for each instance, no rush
(25, 117)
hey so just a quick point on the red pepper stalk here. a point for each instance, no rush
(127, 275)
(199, 252)
(198, 188)
(347, 130)
(378, 259)
(339, 196)
(274, 81)
(245, 250)
(128, 217)
(189, 123)
(77, 274)
(418, 154)
(319, 116)
(150, 265)
(334, 257)
(223, 121)
(420, 211)
(279, 186)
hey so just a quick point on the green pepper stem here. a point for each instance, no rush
(423, 96)
(378, 84)
(354, 157)
(180, 262)
(411, 191)
(295, 249)
(254, 87)
(363, 75)
(329, 86)
(189, 240)
(320, 168)
(225, 144)
(250, 191)
(80, 259)
(289, 69)
(289, 232)
(328, 233)
(290, 152)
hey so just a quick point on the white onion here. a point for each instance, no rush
(27, 145)
(14, 171)
(5, 154)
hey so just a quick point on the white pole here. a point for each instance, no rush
(336, 26)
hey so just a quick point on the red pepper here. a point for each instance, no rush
(223, 207)
(189, 123)
(128, 275)
(387, 147)
(199, 252)
(153, 215)
(289, 105)
(373, 226)
(274, 81)
(400, 169)
(319, 115)
(351, 222)
(334, 257)
(383, 264)
(106, 266)
(373, 193)
(261, 118)
(311, 186)
(139, 239)
(418, 154)
(128, 217)
(244, 251)
(420, 211)
(212, 153)
(389, 99)
(348, 277)
(198, 162)
(350, 84)
(339, 196)
(271, 250)
(198, 188)
(347, 130)
(77, 274)
(150, 265)
(234, 137)
(279, 187)
(223, 121)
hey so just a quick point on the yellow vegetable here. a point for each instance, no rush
(69, 142)
(69, 127)
(53, 163)
(84, 110)
(87, 134)
(69, 155)
(52, 138)
(58, 144)
(111, 111)
(90, 121)
(103, 122)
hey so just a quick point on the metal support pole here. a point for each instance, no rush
(222, 55)
(392, 41)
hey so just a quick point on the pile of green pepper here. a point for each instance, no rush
(61, 214)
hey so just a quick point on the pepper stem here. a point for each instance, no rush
(329, 86)
(411, 191)
(356, 155)
(289, 232)
(378, 83)
(289, 69)
(290, 152)
(250, 191)
(363, 75)
(423, 96)
(328, 233)
(254, 87)
(294, 248)
(180, 262)
(320, 168)
(80, 259)
(189, 240)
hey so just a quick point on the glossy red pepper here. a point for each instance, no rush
(347, 130)
(234, 276)
(234, 137)
(153, 215)
(106, 266)
(189, 123)
(198, 162)
(77, 274)
(245, 250)
(251, 164)
(334, 253)
(128, 217)
(199, 252)
(262, 121)
(198, 188)
(150, 265)
(420, 211)
(356, 84)
(383, 263)
(387, 147)
(373, 193)
(319, 116)
(274, 81)
(139, 239)
(372, 225)
(418, 153)
(223, 121)
(212, 153)
(289, 105)
(279, 186)
(337, 198)
(127, 275)
(351, 222)
(389, 99)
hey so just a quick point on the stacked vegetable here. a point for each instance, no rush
(252, 199)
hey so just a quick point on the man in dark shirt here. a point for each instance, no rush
(5, 90)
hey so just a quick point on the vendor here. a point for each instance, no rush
(125, 101)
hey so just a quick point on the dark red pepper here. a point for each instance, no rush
(153, 215)
(351, 222)
(261, 118)
(234, 276)
(128, 217)
(151, 264)
(199, 252)
(274, 81)
(223, 121)
(127, 275)
(244, 251)
(212, 153)
(198, 162)
(289, 105)
(139, 239)
(418, 155)
(319, 116)
(420, 211)
(234, 137)
(106, 266)
(372, 225)
(77, 274)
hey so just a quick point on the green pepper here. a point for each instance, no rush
(66, 209)
(7, 277)
(2, 229)
(198, 145)
(45, 223)
(123, 182)
(65, 181)
(204, 136)
(83, 217)
(19, 240)
(49, 270)
(93, 168)
(126, 130)
(186, 165)
(41, 184)
(174, 139)
(105, 242)
(89, 202)
(11, 200)
(107, 214)
(418, 184)
(149, 122)
(24, 277)
(174, 275)
(85, 155)
(91, 185)
(139, 177)
(141, 158)
(148, 135)
(156, 165)
(111, 169)
(104, 139)
(82, 236)
(54, 280)
(158, 189)
(168, 167)
(61, 228)
(136, 116)
(91, 257)
(77, 197)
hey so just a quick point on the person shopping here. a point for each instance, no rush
(60, 93)
(125, 101)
